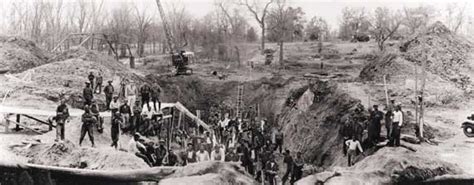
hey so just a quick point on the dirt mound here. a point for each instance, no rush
(386, 166)
(68, 71)
(66, 154)
(210, 173)
(445, 53)
(18, 54)
(315, 132)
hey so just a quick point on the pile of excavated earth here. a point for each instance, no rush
(17, 54)
(445, 56)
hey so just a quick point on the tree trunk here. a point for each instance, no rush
(263, 37)
(281, 52)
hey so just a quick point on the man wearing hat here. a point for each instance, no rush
(374, 125)
(98, 83)
(62, 114)
(388, 118)
(91, 79)
(125, 111)
(160, 153)
(396, 125)
(109, 92)
(115, 129)
(87, 94)
(88, 121)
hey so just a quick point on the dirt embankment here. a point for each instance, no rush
(447, 67)
(18, 54)
(312, 125)
(386, 166)
(67, 73)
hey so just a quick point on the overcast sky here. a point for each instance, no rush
(330, 10)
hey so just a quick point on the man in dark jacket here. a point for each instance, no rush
(160, 153)
(125, 111)
(155, 96)
(288, 160)
(91, 78)
(98, 84)
(109, 93)
(62, 114)
(96, 113)
(297, 171)
(136, 118)
(87, 94)
(346, 133)
(374, 125)
(271, 170)
(88, 121)
(145, 92)
(115, 129)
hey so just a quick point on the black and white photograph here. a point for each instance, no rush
(236, 92)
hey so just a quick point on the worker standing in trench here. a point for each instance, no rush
(109, 92)
(353, 144)
(115, 129)
(62, 114)
(87, 94)
(88, 121)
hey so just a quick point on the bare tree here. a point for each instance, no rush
(317, 29)
(143, 23)
(385, 24)
(283, 22)
(417, 18)
(237, 25)
(259, 13)
(354, 22)
(456, 16)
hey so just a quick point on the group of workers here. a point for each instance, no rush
(353, 129)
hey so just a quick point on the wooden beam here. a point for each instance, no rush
(183, 109)
(23, 125)
(137, 175)
(61, 42)
(38, 120)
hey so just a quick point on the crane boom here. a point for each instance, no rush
(169, 35)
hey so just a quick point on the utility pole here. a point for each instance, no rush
(416, 97)
(423, 82)
(385, 88)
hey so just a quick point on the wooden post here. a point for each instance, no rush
(385, 88)
(198, 114)
(7, 123)
(168, 133)
(423, 82)
(18, 118)
(132, 62)
(416, 96)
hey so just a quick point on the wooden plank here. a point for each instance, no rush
(38, 120)
(181, 107)
(23, 125)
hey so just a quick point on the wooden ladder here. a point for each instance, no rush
(240, 93)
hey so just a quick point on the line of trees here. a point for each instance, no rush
(222, 30)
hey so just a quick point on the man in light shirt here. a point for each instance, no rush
(352, 144)
(396, 125)
(202, 155)
(216, 154)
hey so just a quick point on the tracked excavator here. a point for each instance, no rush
(179, 58)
